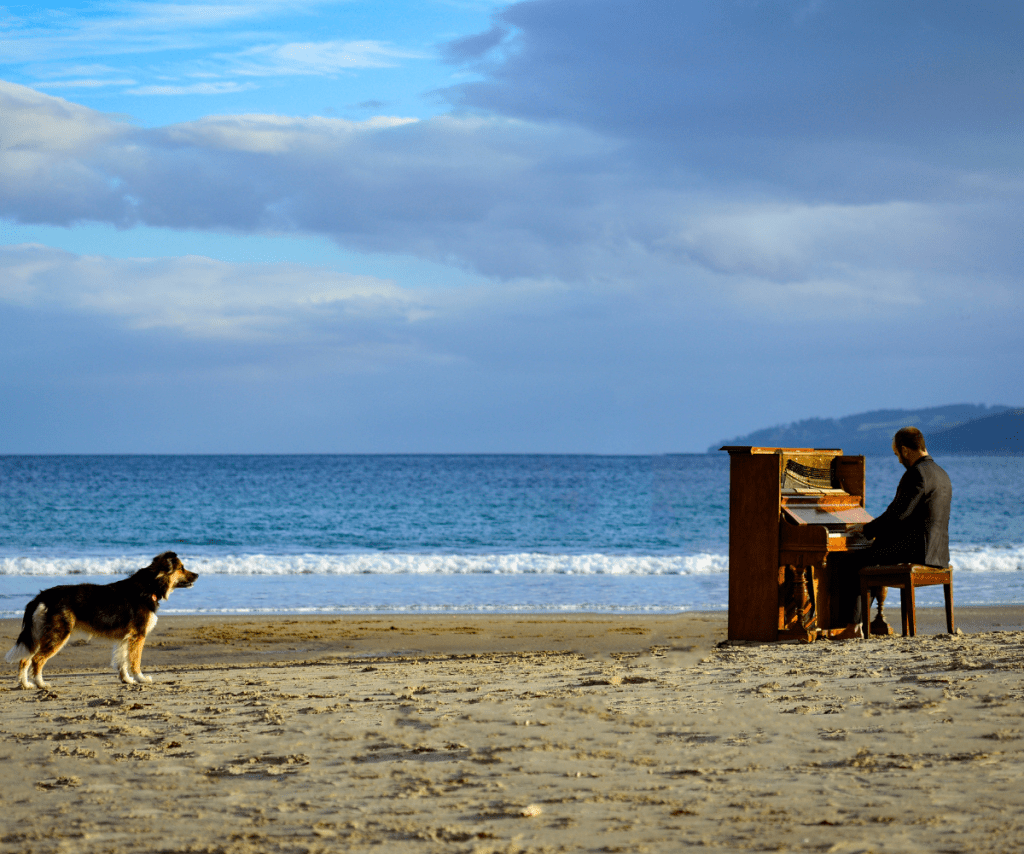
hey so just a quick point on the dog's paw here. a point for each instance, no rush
(135, 678)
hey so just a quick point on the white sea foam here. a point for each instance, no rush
(386, 563)
(987, 558)
(973, 559)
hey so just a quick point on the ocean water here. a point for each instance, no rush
(437, 534)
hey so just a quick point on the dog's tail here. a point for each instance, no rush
(25, 643)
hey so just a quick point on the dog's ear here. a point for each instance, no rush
(166, 562)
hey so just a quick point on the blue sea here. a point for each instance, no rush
(438, 534)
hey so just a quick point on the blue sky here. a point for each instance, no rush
(471, 226)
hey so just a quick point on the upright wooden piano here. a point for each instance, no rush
(789, 508)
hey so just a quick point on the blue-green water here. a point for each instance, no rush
(436, 533)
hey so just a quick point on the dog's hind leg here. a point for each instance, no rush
(24, 647)
(20, 653)
(52, 642)
(23, 665)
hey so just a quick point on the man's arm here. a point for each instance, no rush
(908, 495)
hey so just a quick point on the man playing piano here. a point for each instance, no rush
(913, 529)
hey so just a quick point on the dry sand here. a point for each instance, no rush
(502, 734)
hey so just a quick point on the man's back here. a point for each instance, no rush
(915, 526)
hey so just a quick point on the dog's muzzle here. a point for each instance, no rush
(188, 579)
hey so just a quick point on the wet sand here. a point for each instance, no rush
(520, 733)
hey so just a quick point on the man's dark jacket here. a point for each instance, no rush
(915, 527)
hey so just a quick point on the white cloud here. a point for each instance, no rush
(34, 123)
(320, 57)
(504, 198)
(156, 47)
(86, 83)
(272, 134)
(201, 297)
(809, 302)
(129, 27)
(223, 87)
(793, 241)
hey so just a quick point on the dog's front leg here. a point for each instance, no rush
(119, 660)
(128, 659)
(135, 659)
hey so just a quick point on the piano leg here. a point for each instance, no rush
(878, 626)
(800, 620)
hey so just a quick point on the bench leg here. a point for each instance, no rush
(903, 611)
(911, 608)
(947, 589)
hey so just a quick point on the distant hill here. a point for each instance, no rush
(1002, 433)
(957, 428)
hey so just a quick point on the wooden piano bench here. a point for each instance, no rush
(906, 576)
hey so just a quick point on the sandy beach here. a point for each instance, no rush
(520, 734)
